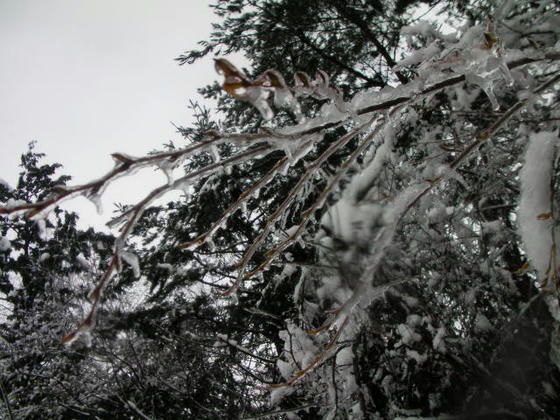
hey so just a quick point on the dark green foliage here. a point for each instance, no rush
(465, 333)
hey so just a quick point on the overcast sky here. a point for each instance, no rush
(86, 78)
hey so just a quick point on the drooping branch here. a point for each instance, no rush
(295, 139)
(125, 165)
(319, 202)
(311, 170)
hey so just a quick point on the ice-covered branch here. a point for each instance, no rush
(363, 117)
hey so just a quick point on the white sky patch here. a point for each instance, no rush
(86, 79)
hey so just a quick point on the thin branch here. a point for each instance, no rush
(237, 204)
(134, 214)
(244, 350)
(355, 17)
(127, 163)
(311, 169)
(308, 214)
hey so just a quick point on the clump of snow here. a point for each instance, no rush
(414, 320)
(166, 266)
(535, 202)
(14, 203)
(553, 307)
(469, 296)
(80, 259)
(276, 395)
(419, 55)
(422, 27)
(410, 301)
(464, 98)
(482, 324)
(413, 354)
(345, 356)
(408, 335)
(376, 158)
(4, 244)
(350, 222)
(298, 344)
(285, 368)
(495, 226)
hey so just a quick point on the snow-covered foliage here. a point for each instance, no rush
(404, 206)
(536, 219)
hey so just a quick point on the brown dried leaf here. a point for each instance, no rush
(522, 269)
(235, 82)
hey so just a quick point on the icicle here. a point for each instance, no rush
(286, 147)
(302, 83)
(210, 243)
(215, 153)
(283, 97)
(132, 260)
(167, 168)
(240, 87)
(504, 70)
(421, 55)
(95, 199)
(283, 172)
(487, 85)
(321, 89)
(303, 150)
(256, 96)
(88, 339)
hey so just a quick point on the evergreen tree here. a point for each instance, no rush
(45, 269)
(382, 245)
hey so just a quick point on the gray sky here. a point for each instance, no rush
(86, 78)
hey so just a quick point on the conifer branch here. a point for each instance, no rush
(264, 142)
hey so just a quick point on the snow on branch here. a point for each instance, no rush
(536, 207)
(368, 118)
